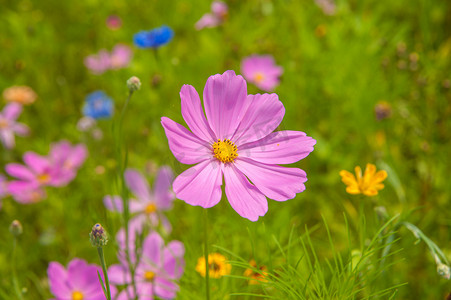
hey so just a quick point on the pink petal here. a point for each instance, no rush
(7, 138)
(81, 274)
(201, 184)
(280, 147)
(163, 188)
(165, 289)
(263, 116)
(58, 280)
(219, 8)
(226, 102)
(174, 263)
(119, 274)
(193, 114)
(19, 171)
(207, 20)
(186, 147)
(275, 182)
(12, 111)
(38, 163)
(137, 184)
(113, 203)
(152, 248)
(21, 129)
(244, 197)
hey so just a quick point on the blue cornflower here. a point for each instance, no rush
(153, 38)
(98, 105)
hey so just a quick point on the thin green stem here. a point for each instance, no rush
(207, 266)
(105, 273)
(15, 280)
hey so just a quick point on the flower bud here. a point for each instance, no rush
(16, 228)
(133, 84)
(98, 236)
(443, 270)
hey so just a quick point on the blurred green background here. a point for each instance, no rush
(337, 69)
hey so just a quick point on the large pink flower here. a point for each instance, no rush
(262, 71)
(9, 126)
(236, 141)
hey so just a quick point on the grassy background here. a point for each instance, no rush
(336, 69)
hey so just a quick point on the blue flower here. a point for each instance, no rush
(153, 38)
(98, 105)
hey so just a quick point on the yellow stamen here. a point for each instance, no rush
(77, 295)
(149, 275)
(259, 77)
(151, 208)
(225, 150)
(43, 178)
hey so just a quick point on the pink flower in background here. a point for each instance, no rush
(57, 169)
(3, 188)
(9, 126)
(236, 141)
(113, 22)
(98, 63)
(157, 271)
(327, 6)
(219, 12)
(135, 230)
(148, 206)
(120, 56)
(78, 282)
(262, 71)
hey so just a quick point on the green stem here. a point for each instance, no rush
(105, 273)
(207, 266)
(15, 280)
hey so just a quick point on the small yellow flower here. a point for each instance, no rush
(20, 94)
(368, 185)
(218, 265)
(255, 277)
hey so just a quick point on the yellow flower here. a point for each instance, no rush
(21, 94)
(368, 185)
(218, 265)
(255, 277)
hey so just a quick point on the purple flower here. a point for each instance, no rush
(9, 126)
(148, 205)
(78, 282)
(68, 159)
(262, 71)
(157, 271)
(102, 61)
(236, 141)
(219, 12)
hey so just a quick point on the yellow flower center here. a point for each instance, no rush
(258, 77)
(43, 178)
(3, 124)
(151, 208)
(225, 150)
(149, 275)
(77, 295)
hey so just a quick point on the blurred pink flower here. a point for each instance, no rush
(79, 281)
(3, 189)
(9, 126)
(57, 169)
(119, 58)
(157, 271)
(148, 206)
(327, 6)
(236, 141)
(219, 12)
(113, 22)
(262, 71)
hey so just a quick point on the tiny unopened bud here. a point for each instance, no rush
(16, 228)
(133, 84)
(98, 236)
(443, 270)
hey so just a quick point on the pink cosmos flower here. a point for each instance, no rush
(78, 282)
(219, 12)
(9, 126)
(148, 206)
(120, 56)
(57, 169)
(98, 63)
(236, 141)
(262, 71)
(157, 271)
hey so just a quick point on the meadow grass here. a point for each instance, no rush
(323, 244)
